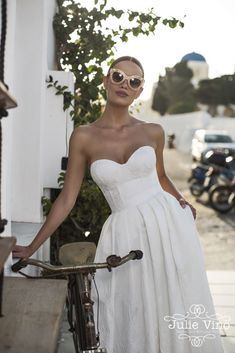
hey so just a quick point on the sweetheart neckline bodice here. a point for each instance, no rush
(127, 184)
(121, 164)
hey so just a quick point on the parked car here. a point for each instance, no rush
(205, 140)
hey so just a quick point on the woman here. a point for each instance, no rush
(138, 301)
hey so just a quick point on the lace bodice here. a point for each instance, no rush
(130, 183)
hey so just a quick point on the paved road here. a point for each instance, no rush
(216, 231)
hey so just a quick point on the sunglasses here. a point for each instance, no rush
(118, 76)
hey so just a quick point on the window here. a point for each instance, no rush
(218, 138)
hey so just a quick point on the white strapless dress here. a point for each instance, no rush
(157, 304)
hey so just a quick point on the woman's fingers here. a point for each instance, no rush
(183, 204)
(18, 247)
(17, 254)
(20, 251)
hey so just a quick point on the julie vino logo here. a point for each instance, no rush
(197, 325)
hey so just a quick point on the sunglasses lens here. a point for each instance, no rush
(135, 82)
(117, 76)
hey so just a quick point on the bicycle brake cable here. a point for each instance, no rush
(40, 277)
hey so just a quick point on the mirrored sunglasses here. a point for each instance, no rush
(118, 76)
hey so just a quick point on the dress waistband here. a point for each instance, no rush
(132, 192)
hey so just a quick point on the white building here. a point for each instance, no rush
(36, 133)
(197, 63)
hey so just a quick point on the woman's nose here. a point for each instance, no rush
(125, 83)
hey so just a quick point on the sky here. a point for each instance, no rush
(209, 30)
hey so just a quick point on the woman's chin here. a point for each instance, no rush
(120, 101)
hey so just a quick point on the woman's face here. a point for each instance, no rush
(122, 94)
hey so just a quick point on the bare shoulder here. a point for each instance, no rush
(155, 128)
(81, 136)
(82, 131)
(155, 132)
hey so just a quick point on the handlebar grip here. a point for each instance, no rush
(18, 265)
(138, 254)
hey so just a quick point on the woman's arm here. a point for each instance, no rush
(67, 197)
(164, 180)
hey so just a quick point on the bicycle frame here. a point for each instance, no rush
(86, 340)
(80, 312)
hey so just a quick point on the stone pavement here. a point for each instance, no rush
(222, 285)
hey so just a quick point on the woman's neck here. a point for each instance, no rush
(115, 116)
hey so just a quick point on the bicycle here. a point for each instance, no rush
(80, 314)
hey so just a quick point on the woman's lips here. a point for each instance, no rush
(121, 93)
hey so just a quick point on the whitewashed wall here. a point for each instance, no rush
(219, 123)
(184, 125)
(30, 55)
(7, 122)
(30, 88)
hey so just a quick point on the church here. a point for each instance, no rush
(197, 63)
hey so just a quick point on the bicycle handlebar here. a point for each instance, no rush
(111, 261)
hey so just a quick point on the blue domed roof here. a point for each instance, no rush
(193, 57)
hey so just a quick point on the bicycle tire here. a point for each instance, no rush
(196, 188)
(75, 320)
(78, 310)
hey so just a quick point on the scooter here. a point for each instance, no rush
(205, 175)
(222, 194)
(170, 140)
(201, 179)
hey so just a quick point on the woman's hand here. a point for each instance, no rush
(23, 252)
(183, 204)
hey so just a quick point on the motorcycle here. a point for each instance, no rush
(205, 175)
(222, 194)
(170, 140)
(201, 179)
(222, 197)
